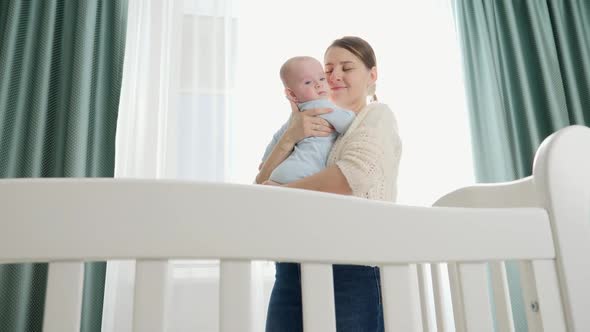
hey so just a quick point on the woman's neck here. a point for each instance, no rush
(355, 106)
(358, 106)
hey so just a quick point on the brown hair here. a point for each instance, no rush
(362, 50)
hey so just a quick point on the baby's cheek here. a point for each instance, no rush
(310, 94)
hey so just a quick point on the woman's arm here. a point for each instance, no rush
(281, 151)
(370, 152)
(330, 180)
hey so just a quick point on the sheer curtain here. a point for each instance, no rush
(191, 108)
(176, 98)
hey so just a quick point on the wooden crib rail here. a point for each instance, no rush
(518, 193)
(560, 184)
(73, 220)
(96, 219)
(562, 177)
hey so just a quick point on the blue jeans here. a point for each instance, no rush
(357, 293)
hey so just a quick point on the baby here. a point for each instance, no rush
(306, 85)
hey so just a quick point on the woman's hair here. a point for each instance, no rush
(362, 50)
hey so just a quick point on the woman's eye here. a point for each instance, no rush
(346, 69)
(322, 79)
(328, 71)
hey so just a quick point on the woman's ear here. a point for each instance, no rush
(290, 95)
(373, 74)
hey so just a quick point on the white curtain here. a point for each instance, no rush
(175, 102)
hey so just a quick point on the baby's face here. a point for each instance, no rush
(308, 81)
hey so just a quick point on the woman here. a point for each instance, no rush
(363, 162)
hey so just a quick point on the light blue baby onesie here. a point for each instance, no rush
(310, 155)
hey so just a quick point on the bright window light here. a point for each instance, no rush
(420, 78)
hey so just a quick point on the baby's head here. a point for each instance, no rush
(304, 79)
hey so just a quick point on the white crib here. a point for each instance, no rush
(542, 221)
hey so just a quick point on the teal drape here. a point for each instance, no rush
(60, 76)
(527, 72)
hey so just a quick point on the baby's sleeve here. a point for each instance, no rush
(275, 139)
(340, 119)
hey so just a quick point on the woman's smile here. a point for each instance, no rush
(336, 88)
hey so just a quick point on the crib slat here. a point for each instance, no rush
(476, 300)
(457, 297)
(317, 296)
(541, 296)
(550, 305)
(504, 320)
(63, 301)
(151, 295)
(401, 298)
(529, 294)
(234, 302)
(442, 305)
(426, 301)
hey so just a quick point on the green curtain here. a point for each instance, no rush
(61, 64)
(527, 71)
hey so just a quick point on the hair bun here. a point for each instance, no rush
(371, 91)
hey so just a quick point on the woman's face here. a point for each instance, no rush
(348, 77)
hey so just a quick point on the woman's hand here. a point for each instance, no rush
(307, 124)
(270, 183)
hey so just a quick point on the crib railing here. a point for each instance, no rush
(535, 275)
(156, 221)
(69, 221)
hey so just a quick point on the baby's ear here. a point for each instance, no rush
(290, 95)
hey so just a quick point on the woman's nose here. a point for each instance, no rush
(334, 77)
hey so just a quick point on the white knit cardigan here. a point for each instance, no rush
(368, 154)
